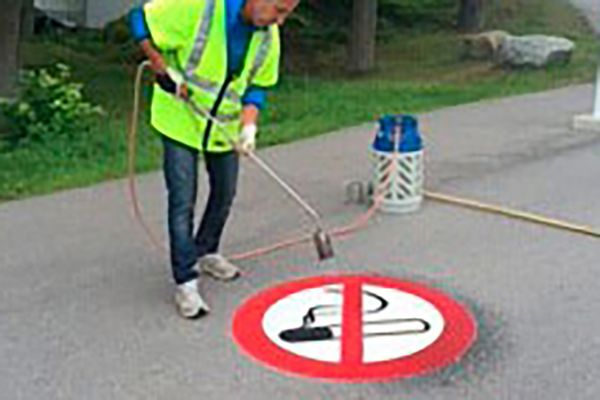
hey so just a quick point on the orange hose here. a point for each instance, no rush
(339, 232)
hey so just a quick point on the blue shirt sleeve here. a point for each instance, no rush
(256, 96)
(137, 24)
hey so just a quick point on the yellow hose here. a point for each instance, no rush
(511, 213)
(356, 225)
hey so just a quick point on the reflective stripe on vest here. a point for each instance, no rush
(225, 118)
(230, 94)
(201, 38)
(198, 52)
(261, 57)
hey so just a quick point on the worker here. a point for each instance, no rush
(221, 55)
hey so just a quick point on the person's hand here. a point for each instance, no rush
(157, 61)
(247, 142)
(172, 82)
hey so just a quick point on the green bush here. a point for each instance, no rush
(50, 108)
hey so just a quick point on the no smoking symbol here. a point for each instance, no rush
(353, 328)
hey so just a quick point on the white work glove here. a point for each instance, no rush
(247, 142)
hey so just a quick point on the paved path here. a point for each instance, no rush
(85, 303)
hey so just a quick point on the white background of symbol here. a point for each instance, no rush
(288, 312)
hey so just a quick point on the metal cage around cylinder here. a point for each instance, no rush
(398, 178)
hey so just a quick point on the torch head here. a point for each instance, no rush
(323, 244)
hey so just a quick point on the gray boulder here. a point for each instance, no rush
(517, 51)
(534, 51)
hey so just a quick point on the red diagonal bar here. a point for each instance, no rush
(352, 339)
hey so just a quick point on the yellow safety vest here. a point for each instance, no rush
(192, 35)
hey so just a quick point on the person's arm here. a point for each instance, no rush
(141, 34)
(255, 97)
(159, 66)
(253, 102)
(250, 115)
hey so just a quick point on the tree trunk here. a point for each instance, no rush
(362, 37)
(470, 15)
(10, 21)
(27, 19)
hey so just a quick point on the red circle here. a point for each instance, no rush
(458, 335)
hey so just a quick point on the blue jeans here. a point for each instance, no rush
(181, 176)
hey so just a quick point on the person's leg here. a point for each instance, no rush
(181, 176)
(222, 171)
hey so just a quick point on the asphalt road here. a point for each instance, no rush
(85, 301)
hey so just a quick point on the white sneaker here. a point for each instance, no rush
(189, 302)
(218, 267)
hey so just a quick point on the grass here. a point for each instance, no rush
(416, 72)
